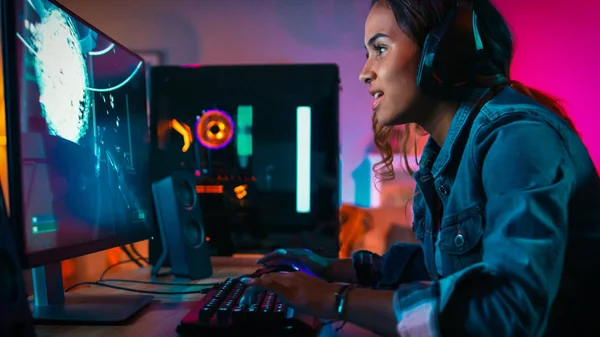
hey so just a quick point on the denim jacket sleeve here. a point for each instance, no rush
(527, 179)
(402, 263)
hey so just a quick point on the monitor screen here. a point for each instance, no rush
(84, 137)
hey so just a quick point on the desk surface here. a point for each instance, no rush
(162, 316)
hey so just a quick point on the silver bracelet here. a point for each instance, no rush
(340, 300)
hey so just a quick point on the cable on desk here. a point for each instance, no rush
(161, 283)
(100, 284)
(135, 251)
(102, 279)
(117, 264)
(131, 257)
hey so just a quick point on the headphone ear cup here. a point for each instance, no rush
(448, 66)
(456, 60)
(426, 77)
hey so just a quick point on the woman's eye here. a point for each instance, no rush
(379, 49)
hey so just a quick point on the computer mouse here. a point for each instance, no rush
(274, 268)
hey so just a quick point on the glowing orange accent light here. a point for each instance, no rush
(240, 191)
(220, 134)
(214, 129)
(185, 132)
(209, 189)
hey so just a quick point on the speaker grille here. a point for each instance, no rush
(186, 194)
(194, 233)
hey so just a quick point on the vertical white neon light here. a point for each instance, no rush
(303, 121)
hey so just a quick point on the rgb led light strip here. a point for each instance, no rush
(303, 150)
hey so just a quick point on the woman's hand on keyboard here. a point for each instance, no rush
(300, 291)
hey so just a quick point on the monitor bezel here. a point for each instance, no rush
(13, 135)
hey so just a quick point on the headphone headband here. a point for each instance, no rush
(448, 67)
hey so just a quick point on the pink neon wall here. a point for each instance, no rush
(558, 51)
(557, 48)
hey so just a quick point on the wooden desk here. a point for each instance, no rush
(162, 316)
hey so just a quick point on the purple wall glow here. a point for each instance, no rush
(555, 48)
(556, 53)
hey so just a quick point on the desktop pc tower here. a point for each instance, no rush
(262, 142)
(77, 153)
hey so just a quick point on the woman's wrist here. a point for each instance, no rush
(341, 299)
(328, 272)
(326, 307)
(370, 309)
(339, 270)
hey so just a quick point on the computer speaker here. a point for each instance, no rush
(15, 316)
(182, 230)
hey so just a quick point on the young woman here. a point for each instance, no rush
(507, 205)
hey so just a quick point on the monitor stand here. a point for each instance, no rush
(52, 306)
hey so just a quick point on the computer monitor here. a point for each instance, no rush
(78, 151)
(16, 317)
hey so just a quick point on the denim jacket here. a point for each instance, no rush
(515, 248)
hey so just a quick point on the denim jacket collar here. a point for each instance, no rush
(435, 159)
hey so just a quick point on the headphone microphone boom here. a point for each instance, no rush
(448, 66)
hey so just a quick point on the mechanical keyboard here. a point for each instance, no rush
(220, 313)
